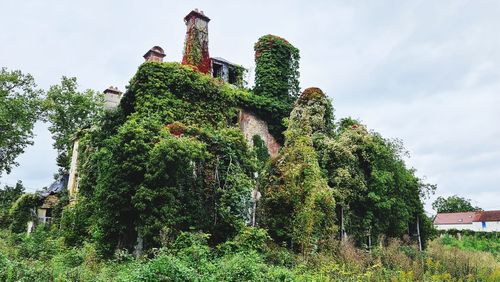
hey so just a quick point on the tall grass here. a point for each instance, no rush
(44, 257)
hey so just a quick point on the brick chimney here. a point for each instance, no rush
(196, 42)
(112, 97)
(155, 54)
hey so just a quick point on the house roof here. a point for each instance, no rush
(56, 187)
(489, 216)
(222, 60)
(455, 218)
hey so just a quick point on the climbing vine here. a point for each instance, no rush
(170, 157)
(299, 208)
(277, 68)
(196, 44)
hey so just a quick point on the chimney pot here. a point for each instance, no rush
(155, 54)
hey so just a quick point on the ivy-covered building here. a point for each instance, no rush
(252, 120)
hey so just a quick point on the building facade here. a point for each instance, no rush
(480, 221)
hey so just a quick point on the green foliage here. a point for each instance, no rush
(75, 222)
(487, 242)
(248, 239)
(8, 195)
(169, 195)
(68, 111)
(37, 246)
(176, 93)
(238, 72)
(277, 68)
(375, 190)
(189, 258)
(169, 159)
(298, 205)
(164, 267)
(276, 82)
(453, 204)
(22, 211)
(260, 150)
(272, 110)
(20, 103)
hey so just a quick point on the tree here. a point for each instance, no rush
(68, 111)
(376, 194)
(19, 110)
(8, 195)
(453, 204)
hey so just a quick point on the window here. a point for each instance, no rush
(217, 70)
(232, 76)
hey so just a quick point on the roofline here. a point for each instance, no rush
(197, 14)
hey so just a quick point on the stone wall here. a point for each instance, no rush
(252, 125)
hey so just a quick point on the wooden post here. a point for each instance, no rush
(342, 231)
(254, 209)
(370, 239)
(418, 234)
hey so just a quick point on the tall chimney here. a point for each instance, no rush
(196, 43)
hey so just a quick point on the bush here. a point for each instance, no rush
(22, 211)
(164, 267)
(241, 267)
(248, 239)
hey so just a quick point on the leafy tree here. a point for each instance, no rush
(453, 204)
(20, 102)
(69, 110)
(8, 195)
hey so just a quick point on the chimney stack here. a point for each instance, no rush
(112, 97)
(196, 42)
(155, 54)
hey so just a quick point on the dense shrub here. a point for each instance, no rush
(22, 211)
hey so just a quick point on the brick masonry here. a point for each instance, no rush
(251, 125)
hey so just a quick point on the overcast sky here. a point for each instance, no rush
(427, 72)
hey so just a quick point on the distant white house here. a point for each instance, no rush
(487, 221)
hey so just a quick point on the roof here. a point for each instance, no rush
(489, 216)
(157, 50)
(222, 60)
(113, 90)
(455, 218)
(197, 14)
(56, 187)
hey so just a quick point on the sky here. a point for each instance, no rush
(425, 72)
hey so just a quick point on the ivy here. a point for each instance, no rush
(170, 157)
(22, 211)
(299, 207)
(277, 68)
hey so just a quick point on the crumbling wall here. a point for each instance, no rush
(251, 125)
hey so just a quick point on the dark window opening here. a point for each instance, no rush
(235, 119)
(48, 213)
(217, 70)
(232, 79)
